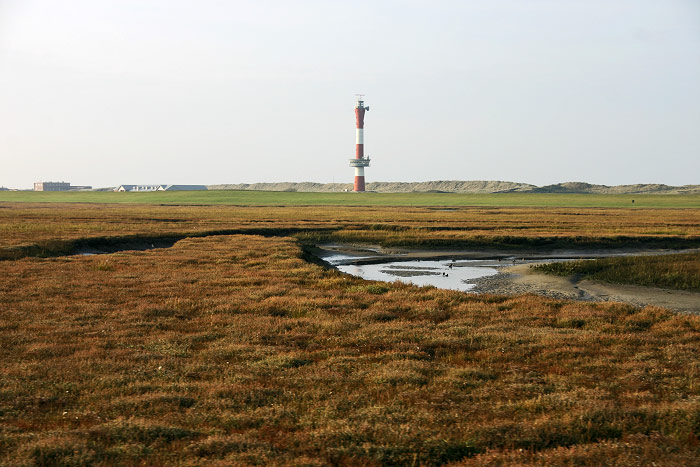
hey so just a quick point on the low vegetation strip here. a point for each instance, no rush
(419, 239)
(234, 350)
(675, 271)
(29, 224)
(95, 245)
(310, 237)
(273, 198)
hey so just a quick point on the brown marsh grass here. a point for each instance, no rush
(50, 228)
(234, 350)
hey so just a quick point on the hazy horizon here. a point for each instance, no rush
(176, 92)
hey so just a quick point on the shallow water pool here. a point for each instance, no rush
(443, 274)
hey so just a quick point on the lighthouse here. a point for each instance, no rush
(360, 161)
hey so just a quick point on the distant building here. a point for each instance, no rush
(51, 186)
(161, 188)
(138, 188)
(58, 186)
(182, 187)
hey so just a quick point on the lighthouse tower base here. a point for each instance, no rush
(359, 165)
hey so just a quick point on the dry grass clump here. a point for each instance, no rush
(234, 350)
(652, 449)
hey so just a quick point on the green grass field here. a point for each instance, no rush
(267, 198)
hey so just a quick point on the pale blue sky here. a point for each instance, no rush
(538, 91)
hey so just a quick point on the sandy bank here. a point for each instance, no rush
(521, 279)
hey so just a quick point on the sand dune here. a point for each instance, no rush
(474, 186)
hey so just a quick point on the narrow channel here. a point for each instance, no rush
(475, 271)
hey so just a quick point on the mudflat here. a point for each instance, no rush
(521, 279)
(515, 278)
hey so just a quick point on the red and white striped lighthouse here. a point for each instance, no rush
(360, 161)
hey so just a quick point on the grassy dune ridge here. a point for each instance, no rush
(233, 349)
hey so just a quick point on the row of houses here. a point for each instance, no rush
(65, 186)
(160, 188)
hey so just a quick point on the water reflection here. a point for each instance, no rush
(443, 274)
